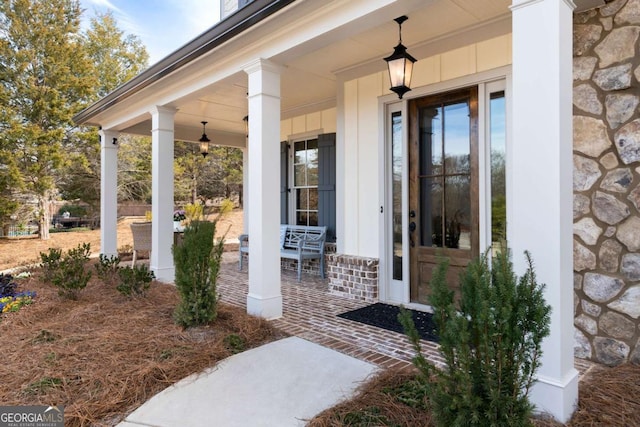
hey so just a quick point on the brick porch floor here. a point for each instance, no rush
(310, 312)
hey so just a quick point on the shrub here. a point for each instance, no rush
(50, 262)
(235, 343)
(107, 267)
(68, 273)
(134, 281)
(226, 206)
(194, 211)
(491, 345)
(7, 286)
(197, 260)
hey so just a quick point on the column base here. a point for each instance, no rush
(164, 275)
(558, 399)
(267, 308)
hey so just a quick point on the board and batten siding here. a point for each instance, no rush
(361, 198)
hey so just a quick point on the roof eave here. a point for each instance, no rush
(223, 31)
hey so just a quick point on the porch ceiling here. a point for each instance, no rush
(309, 82)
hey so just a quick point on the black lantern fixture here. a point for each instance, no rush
(400, 64)
(204, 141)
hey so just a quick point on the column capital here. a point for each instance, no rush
(161, 117)
(264, 79)
(161, 109)
(518, 4)
(261, 64)
(108, 138)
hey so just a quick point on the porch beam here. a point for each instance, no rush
(264, 298)
(541, 177)
(108, 192)
(162, 133)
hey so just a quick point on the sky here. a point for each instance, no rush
(162, 25)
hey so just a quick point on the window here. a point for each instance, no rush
(305, 181)
(396, 192)
(308, 182)
(497, 131)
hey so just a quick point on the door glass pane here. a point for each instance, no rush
(498, 168)
(445, 198)
(431, 223)
(456, 131)
(431, 141)
(396, 192)
(457, 212)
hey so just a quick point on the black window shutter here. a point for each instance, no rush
(327, 183)
(284, 189)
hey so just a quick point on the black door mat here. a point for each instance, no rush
(385, 316)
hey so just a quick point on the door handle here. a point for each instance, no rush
(412, 228)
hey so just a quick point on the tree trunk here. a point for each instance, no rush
(44, 208)
(194, 189)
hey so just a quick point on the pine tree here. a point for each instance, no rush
(115, 58)
(46, 78)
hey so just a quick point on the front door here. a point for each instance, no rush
(443, 186)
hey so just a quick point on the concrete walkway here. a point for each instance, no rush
(283, 383)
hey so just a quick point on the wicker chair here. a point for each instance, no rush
(141, 238)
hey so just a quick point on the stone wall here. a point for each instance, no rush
(606, 208)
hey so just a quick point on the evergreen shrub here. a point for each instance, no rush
(197, 259)
(491, 344)
(134, 281)
(107, 267)
(50, 262)
(68, 272)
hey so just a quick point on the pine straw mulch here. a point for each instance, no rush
(104, 355)
(608, 397)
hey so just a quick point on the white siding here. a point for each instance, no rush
(361, 116)
(324, 121)
(361, 195)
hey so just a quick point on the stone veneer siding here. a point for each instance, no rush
(606, 183)
(353, 277)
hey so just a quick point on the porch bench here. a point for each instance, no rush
(297, 242)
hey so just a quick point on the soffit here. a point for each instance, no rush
(311, 68)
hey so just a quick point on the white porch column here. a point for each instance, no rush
(245, 190)
(108, 193)
(162, 193)
(541, 177)
(264, 298)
